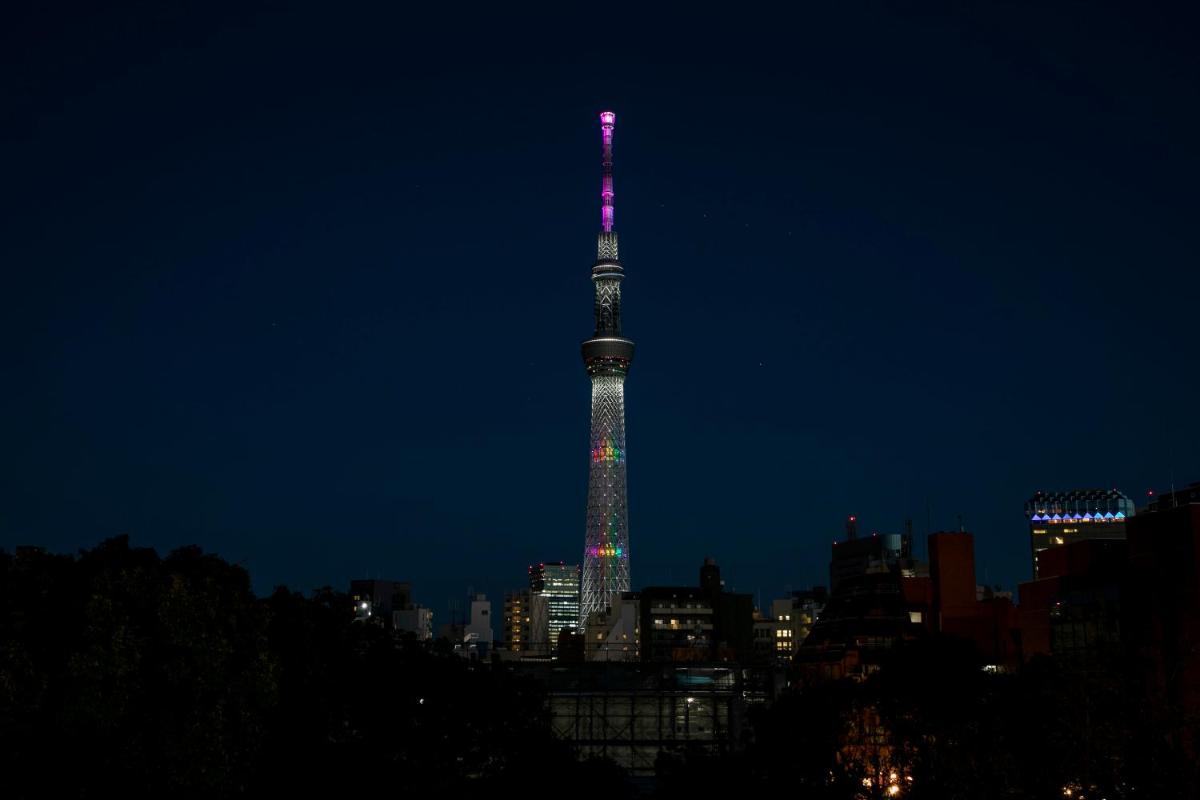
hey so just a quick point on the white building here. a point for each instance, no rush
(479, 625)
(614, 635)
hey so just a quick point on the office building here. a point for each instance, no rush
(1059, 518)
(559, 585)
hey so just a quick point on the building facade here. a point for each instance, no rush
(478, 636)
(416, 620)
(606, 356)
(1060, 518)
(696, 623)
(615, 634)
(780, 634)
(526, 626)
(558, 584)
(1073, 608)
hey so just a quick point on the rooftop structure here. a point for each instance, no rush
(1059, 518)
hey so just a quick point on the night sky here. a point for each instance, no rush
(306, 285)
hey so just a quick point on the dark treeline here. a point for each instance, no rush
(126, 674)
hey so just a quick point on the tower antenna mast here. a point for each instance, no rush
(607, 120)
(606, 356)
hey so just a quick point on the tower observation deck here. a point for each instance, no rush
(606, 355)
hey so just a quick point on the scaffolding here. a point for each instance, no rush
(632, 712)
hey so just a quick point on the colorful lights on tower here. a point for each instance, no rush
(606, 355)
(607, 120)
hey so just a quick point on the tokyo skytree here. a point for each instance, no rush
(607, 356)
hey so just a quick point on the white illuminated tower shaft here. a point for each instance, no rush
(607, 356)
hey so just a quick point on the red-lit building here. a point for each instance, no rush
(881, 596)
(952, 578)
(962, 609)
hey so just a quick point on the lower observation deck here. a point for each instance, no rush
(607, 355)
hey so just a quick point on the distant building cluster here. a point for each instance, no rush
(629, 673)
(390, 603)
(1125, 586)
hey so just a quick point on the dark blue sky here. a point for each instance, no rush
(306, 286)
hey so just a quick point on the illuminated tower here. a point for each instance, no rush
(607, 356)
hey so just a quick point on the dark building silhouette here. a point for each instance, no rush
(1174, 498)
(853, 557)
(1133, 602)
(378, 599)
(1073, 609)
(1162, 610)
(696, 623)
(876, 599)
(883, 597)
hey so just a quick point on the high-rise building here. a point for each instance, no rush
(606, 356)
(515, 634)
(558, 584)
(1058, 518)
(526, 623)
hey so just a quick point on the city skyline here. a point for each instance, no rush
(267, 311)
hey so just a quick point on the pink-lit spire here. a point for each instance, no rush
(607, 118)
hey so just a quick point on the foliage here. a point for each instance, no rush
(934, 724)
(123, 673)
(126, 674)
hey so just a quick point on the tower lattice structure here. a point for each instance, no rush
(606, 356)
